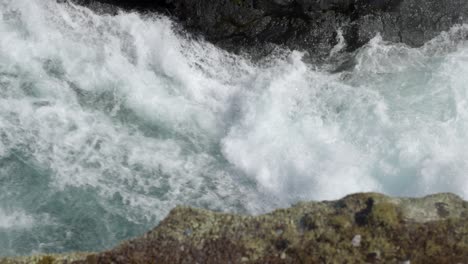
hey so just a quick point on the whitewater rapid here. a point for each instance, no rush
(108, 122)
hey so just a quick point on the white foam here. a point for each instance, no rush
(291, 141)
(74, 74)
(122, 104)
(17, 219)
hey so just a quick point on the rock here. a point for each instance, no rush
(381, 229)
(356, 242)
(257, 26)
(283, 256)
(373, 256)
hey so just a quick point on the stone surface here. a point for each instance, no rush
(433, 229)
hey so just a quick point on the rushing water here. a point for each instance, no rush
(108, 122)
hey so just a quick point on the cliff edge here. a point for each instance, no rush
(360, 228)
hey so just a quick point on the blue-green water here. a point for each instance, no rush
(108, 122)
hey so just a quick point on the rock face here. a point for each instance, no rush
(308, 25)
(361, 228)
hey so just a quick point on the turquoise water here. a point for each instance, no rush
(108, 122)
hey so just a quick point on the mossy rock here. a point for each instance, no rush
(384, 214)
(387, 230)
(46, 260)
(340, 221)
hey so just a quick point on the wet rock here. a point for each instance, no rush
(309, 25)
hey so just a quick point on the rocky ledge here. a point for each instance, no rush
(360, 228)
(257, 26)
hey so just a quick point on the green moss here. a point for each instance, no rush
(384, 214)
(46, 260)
(432, 248)
(340, 221)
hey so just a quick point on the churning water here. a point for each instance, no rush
(108, 122)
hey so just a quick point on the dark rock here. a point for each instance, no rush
(307, 25)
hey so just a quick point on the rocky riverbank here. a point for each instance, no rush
(257, 26)
(360, 228)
